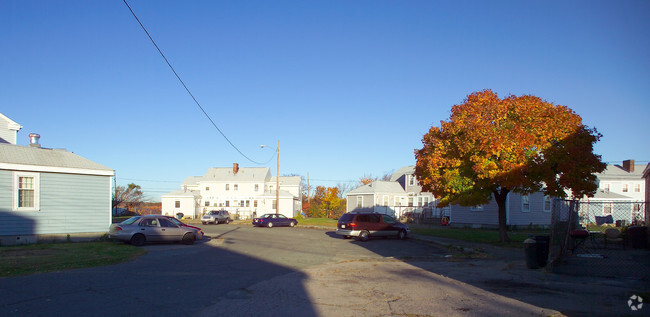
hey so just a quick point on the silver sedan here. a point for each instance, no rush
(152, 228)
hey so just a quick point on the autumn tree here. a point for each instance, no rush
(491, 147)
(130, 196)
(366, 179)
(327, 202)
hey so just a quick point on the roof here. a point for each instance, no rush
(616, 172)
(604, 195)
(13, 125)
(183, 193)
(378, 187)
(408, 170)
(288, 180)
(245, 174)
(192, 180)
(28, 158)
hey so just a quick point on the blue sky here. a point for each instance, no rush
(348, 87)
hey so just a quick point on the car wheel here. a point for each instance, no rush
(401, 235)
(138, 240)
(292, 224)
(227, 221)
(270, 225)
(188, 238)
(364, 235)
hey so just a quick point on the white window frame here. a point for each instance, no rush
(637, 188)
(177, 204)
(411, 180)
(257, 187)
(37, 196)
(625, 188)
(227, 187)
(606, 187)
(550, 203)
(525, 203)
(359, 201)
(386, 200)
(235, 187)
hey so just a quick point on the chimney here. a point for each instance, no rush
(33, 140)
(628, 166)
(235, 168)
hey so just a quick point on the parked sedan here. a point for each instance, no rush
(274, 220)
(180, 223)
(152, 228)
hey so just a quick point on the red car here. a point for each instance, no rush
(180, 223)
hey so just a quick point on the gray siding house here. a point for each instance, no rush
(50, 193)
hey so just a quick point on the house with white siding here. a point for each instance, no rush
(49, 193)
(244, 192)
(400, 195)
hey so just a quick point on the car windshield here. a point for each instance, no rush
(346, 218)
(131, 220)
(175, 221)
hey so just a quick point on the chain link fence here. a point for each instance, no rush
(600, 238)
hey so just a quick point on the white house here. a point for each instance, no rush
(49, 193)
(401, 195)
(244, 192)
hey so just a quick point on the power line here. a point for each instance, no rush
(188, 90)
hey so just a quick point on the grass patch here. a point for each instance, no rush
(40, 258)
(489, 236)
(324, 222)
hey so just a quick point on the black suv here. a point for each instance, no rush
(362, 226)
(216, 216)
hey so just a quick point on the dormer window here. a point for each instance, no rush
(412, 180)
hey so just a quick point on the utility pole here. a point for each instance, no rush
(308, 197)
(277, 184)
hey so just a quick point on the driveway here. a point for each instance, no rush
(241, 270)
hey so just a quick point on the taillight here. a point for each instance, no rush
(352, 224)
(118, 228)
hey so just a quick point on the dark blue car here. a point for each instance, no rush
(274, 220)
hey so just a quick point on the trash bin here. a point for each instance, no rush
(179, 215)
(530, 250)
(542, 249)
(637, 237)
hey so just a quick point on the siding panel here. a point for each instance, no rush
(69, 203)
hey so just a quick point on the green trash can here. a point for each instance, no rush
(530, 251)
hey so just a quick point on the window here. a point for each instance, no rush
(227, 186)
(255, 203)
(388, 219)
(359, 201)
(236, 187)
(607, 209)
(410, 201)
(419, 201)
(607, 188)
(398, 201)
(248, 203)
(637, 188)
(207, 187)
(547, 203)
(207, 203)
(257, 187)
(227, 203)
(411, 180)
(426, 201)
(525, 203)
(26, 191)
(625, 188)
(177, 204)
(385, 203)
(275, 204)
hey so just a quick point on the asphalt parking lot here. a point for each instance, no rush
(242, 270)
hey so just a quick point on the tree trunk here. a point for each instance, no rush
(500, 196)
